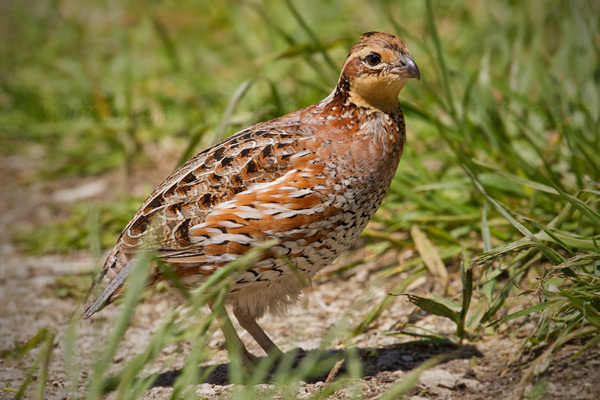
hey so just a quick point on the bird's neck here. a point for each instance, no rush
(370, 94)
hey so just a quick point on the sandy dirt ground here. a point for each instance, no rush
(490, 367)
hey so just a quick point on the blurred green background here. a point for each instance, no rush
(500, 174)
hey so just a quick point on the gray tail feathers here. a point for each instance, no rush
(105, 297)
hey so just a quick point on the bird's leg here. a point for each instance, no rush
(249, 323)
(249, 360)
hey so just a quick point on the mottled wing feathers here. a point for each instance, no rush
(212, 177)
(255, 185)
(205, 213)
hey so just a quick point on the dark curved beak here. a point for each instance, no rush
(407, 68)
(412, 69)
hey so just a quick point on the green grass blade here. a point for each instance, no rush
(532, 309)
(135, 286)
(466, 277)
(440, 58)
(433, 307)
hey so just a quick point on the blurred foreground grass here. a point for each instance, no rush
(499, 183)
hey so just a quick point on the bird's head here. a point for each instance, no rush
(376, 69)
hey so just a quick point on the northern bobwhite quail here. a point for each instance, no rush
(311, 179)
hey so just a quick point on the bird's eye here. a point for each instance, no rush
(373, 59)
